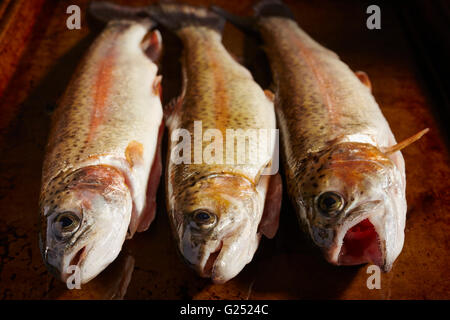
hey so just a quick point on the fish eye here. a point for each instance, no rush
(65, 224)
(330, 203)
(204, 218)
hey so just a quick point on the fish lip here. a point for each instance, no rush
(78, 257)
(53, 262)
(206, 270)
(52, 269)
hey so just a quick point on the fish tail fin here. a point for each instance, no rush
(176, 16)
(272, 8)
(246, 24)
(264, 8)
(105, 12)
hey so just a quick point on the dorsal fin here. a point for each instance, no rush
(152, 45)
(175, 16)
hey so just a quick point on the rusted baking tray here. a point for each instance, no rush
(38, 54)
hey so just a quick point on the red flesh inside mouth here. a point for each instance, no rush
(209, 265)
(361, 245)
(77, 257)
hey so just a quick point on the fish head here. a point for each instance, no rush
(85, 219)
(353, 205)
(216, 225)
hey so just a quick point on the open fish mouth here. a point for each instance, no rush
(78, 257)
(208, 268)
(75, 261)
(361, 244)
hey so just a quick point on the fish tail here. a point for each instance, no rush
(105, 12)
(176, 16)
(272, 8)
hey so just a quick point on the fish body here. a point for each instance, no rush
(103, 149)
(216, 207)
(348, 190)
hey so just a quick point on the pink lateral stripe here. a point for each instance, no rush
(101, 86)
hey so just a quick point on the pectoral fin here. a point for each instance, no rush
(105, 11)
(152, 186)
(271, 215)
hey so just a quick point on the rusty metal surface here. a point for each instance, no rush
(283, 268)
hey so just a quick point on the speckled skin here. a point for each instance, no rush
(101, 149)
(332, 132)
(223, 95)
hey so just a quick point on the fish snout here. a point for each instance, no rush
(366, 240)
(376, 236)
(200, 250)
(237, 250)
(62, 265)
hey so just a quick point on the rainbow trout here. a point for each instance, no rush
(344, 171)
(102, 165)
(218, 205)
